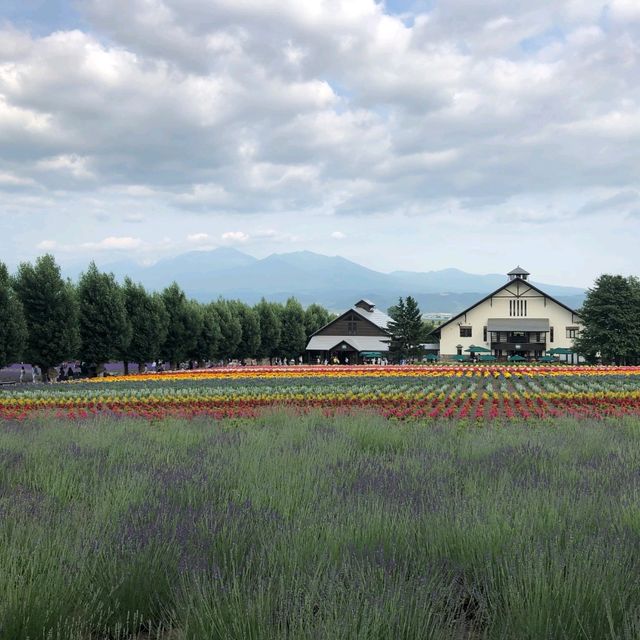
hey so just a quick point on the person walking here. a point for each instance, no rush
(22, 374)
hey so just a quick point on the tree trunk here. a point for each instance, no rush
(126, 367)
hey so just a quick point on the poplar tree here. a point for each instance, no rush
(270, 315)
(148, 323)
(183, 327)
(315, 317)
(210, 335)
(13, 327)
(51, 313)
(230, 327)
(104, 328)
(293, 339)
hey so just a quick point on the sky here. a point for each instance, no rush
(403, 135)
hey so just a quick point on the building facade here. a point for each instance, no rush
(516, 319)
(357, 335)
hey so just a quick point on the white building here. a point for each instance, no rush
(516, 319)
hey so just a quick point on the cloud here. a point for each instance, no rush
(134, 218)
(114, 243)
(622, 199)
(338, 235)
(198, 238)
(274, 109)
(47, 245)
(235, 237)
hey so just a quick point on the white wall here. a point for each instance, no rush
(559, 318)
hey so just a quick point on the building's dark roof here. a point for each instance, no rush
(518, 271)
(376, 317)
(436, 331)
(518, 324)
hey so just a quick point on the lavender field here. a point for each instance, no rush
(308, 527)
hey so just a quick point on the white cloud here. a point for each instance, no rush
(274, 109)
(47, 245)
(198, 238)
(114, 243)
(338, 235)
(235, 236)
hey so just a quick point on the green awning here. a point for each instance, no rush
(431, 356)
(547, 359)
(487, 358)
(460, 358)
(561, 351)
(371, 354)
(517, 358)
(474, 349)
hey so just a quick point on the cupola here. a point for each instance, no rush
(518, 273)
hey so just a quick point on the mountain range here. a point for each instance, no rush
(332, 281)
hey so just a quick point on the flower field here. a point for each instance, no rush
(481, 393)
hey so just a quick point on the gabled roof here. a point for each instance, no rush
(379, 318)
(375, 317)
(498, 290)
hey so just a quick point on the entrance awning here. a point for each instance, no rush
(518, 324)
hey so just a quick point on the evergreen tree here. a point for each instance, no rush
(406, 329)
(13, 326)
(148, 324)
(610, 321)
(230, 327)
(315, 317)
(51, 313)
(105, 331)
(293, 339)
(183, 326)
(270, 315)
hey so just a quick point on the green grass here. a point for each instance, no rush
(307, 527)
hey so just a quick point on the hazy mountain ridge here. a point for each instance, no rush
(332, 281)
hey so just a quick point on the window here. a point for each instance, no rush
(572, 332)
(352, 328)
(550, 334)
(465, 332)
(517, 307)
(484, 333)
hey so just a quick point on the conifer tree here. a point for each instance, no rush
(610, 316)
(406, 328)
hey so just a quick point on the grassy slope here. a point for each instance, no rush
(307, 527)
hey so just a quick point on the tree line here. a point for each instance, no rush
(46, 320)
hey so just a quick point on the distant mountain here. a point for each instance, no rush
(329, 280)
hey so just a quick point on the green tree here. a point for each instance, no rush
(105, 331)
(270, 315)
(13, 326)
(406, 329)
(250, 324)
(293, 339)
(148, 323)
(210, 335)
(610, 321)
(315, 317)
(230, 327)
(51, 313)
(183, 327)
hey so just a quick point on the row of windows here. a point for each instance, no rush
(517, 307)
(533, 336)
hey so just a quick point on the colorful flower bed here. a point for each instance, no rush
(479, 393)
